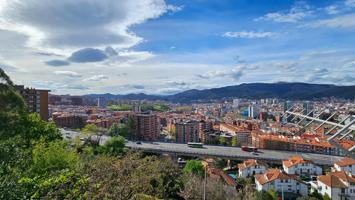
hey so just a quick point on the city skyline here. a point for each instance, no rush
(165, 47)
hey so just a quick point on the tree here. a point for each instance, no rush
(131, 125)
(234, 141)
(220, 163)
(114, 147)
(133, 174)
(53, 156)
(194, 167)
(215, 189)
(222, 140)
(326, 197)
(273, 194)
(316, 195)
(118, 130)
(309, 198)
(90, 129)
(264, 195)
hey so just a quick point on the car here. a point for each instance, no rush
(139, 142)
(254, 153)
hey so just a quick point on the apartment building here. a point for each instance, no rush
(36, 100)
(299, 144)
(337, 185)
(281, 182)
(249, 168)
(69, 120)
(147, 126)
(187, 131)
(346, 165)
(299, 166)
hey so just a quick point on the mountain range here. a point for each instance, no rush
(282, 90)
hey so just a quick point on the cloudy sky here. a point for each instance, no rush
(164, 47)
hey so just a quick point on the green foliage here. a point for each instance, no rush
(194, 167)
(122, 107)
(112, 178)
(234, 141)
(143, 197)
(220, 163)
(53, 156)
(316, 195)
(326, 197)
(184, 109)
(118, 130)
(35, 128)
(62, 185)
(264, 195)
(155, 107)
(215, 189)
(114, 147)
(131, 125)
(222, 141)
(273, 194)
(90, 129)
(309, 198)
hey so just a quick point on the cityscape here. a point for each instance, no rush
(81, 118)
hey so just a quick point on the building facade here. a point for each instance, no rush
(346, 165)
(36, 100)
(249, 168)
(337, 185)
(147, 126)
(297, 165)
(187, 131)
(280, 182)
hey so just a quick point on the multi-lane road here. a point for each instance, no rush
(218, 151)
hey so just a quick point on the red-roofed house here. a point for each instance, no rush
(249, 168)
(346, 164)
(297, 165)
(337, 185)
(280, 182)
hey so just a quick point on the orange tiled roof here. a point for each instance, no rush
(345, 162)
(273, 174)
(294, 160)
(229, 180)
(248, 163)
(336, 179)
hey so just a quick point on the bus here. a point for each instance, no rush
(195, 145)
(249, 149)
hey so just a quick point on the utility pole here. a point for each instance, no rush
(204, 184)
(282, 195)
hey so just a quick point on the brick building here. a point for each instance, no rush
(36, 100)
(147, 126)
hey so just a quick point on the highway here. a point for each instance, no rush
(233, 153)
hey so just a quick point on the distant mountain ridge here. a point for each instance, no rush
(282, 90)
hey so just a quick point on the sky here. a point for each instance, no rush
(168, 46)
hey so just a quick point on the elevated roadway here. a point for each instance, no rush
(232, 153)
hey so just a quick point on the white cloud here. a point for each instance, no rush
(95, 78)
(248, 34)
(235, 73)
(64, 26)
(67, 73)
(298, 12)
(321, 70)
(332, 9)
(286, 65)
(342, 21)
(350, 3)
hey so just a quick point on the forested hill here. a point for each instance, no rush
(291, 91)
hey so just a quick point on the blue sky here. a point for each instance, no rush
(164, 47)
